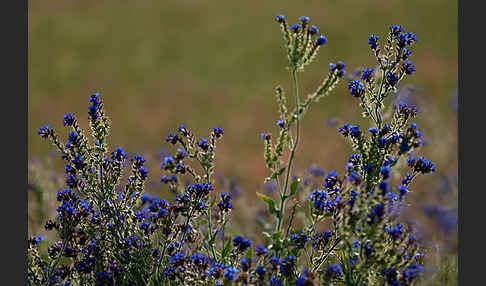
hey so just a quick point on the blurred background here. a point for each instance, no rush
(158, 64)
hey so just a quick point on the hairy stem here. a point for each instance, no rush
(283, 197)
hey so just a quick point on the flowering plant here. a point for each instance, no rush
(347, 230)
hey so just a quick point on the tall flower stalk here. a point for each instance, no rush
(302, 45)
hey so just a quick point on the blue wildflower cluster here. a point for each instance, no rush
(90, 247)
(360, 210)
(325, 229)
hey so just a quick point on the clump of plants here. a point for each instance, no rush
(109, 232)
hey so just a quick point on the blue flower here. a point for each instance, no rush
(382, 142)
(352, 200)
(203, 144)
(95, 98)
(384, 187)
(321, 40)
(36, 239)
(314, 30)
(407, 110)
(368, 168)
(385, 172)
(139, 161)
(396, 29)
(279, 18)
(320, 240)
(405, 39)
(352, 130)
(332, 182)
(218, 131)
(145, 226)
(411, 38)
(403, 190)
(340, 67)
(199, 190)
(421, 165)
(167, 163)
(145, 198)
(409, 67)
(367, 74)
(68, 119)
(295, 28)
(306, 278)
(177, 259)
(275, 262)
(281, 123)
(71, 181)
(225, 203)
(45, 131)
(357, 88)
(391, 276)
(78, 162)
(304, 19)
(392, 79)
(245, 264)
(369, 249)
(376, 213)
(230, 273)
(73, 139)
(172, 138)
(394, 138)
(143, 172)
(180, 168)
(333, 271)
(412, 239)
(274, 281)
(319, 199)
(373, 41)
(95, 106)
(260, 271)
(354, 178)
(287, 266)
(373, 131)
(299, 239)
(261, 250)
(412, 271)
(395, 232)
(119, 154)
(241, 243)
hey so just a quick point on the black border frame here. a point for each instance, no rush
(471, 153)
(14, 22)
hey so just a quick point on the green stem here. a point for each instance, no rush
(283, 197)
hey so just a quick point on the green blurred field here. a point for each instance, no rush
(158, 64)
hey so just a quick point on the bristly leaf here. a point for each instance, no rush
(278, 173)
(270, 202)
(282, 102)
(226, 249)
(249, 253)
(294, 186)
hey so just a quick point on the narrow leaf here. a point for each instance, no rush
(270, 202)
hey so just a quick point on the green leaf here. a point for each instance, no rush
(249, 253)
(213, 237)
(226, 249)
(293, 187)
(278, 173)
(267, 234)
(277, 235)
(270, 202)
